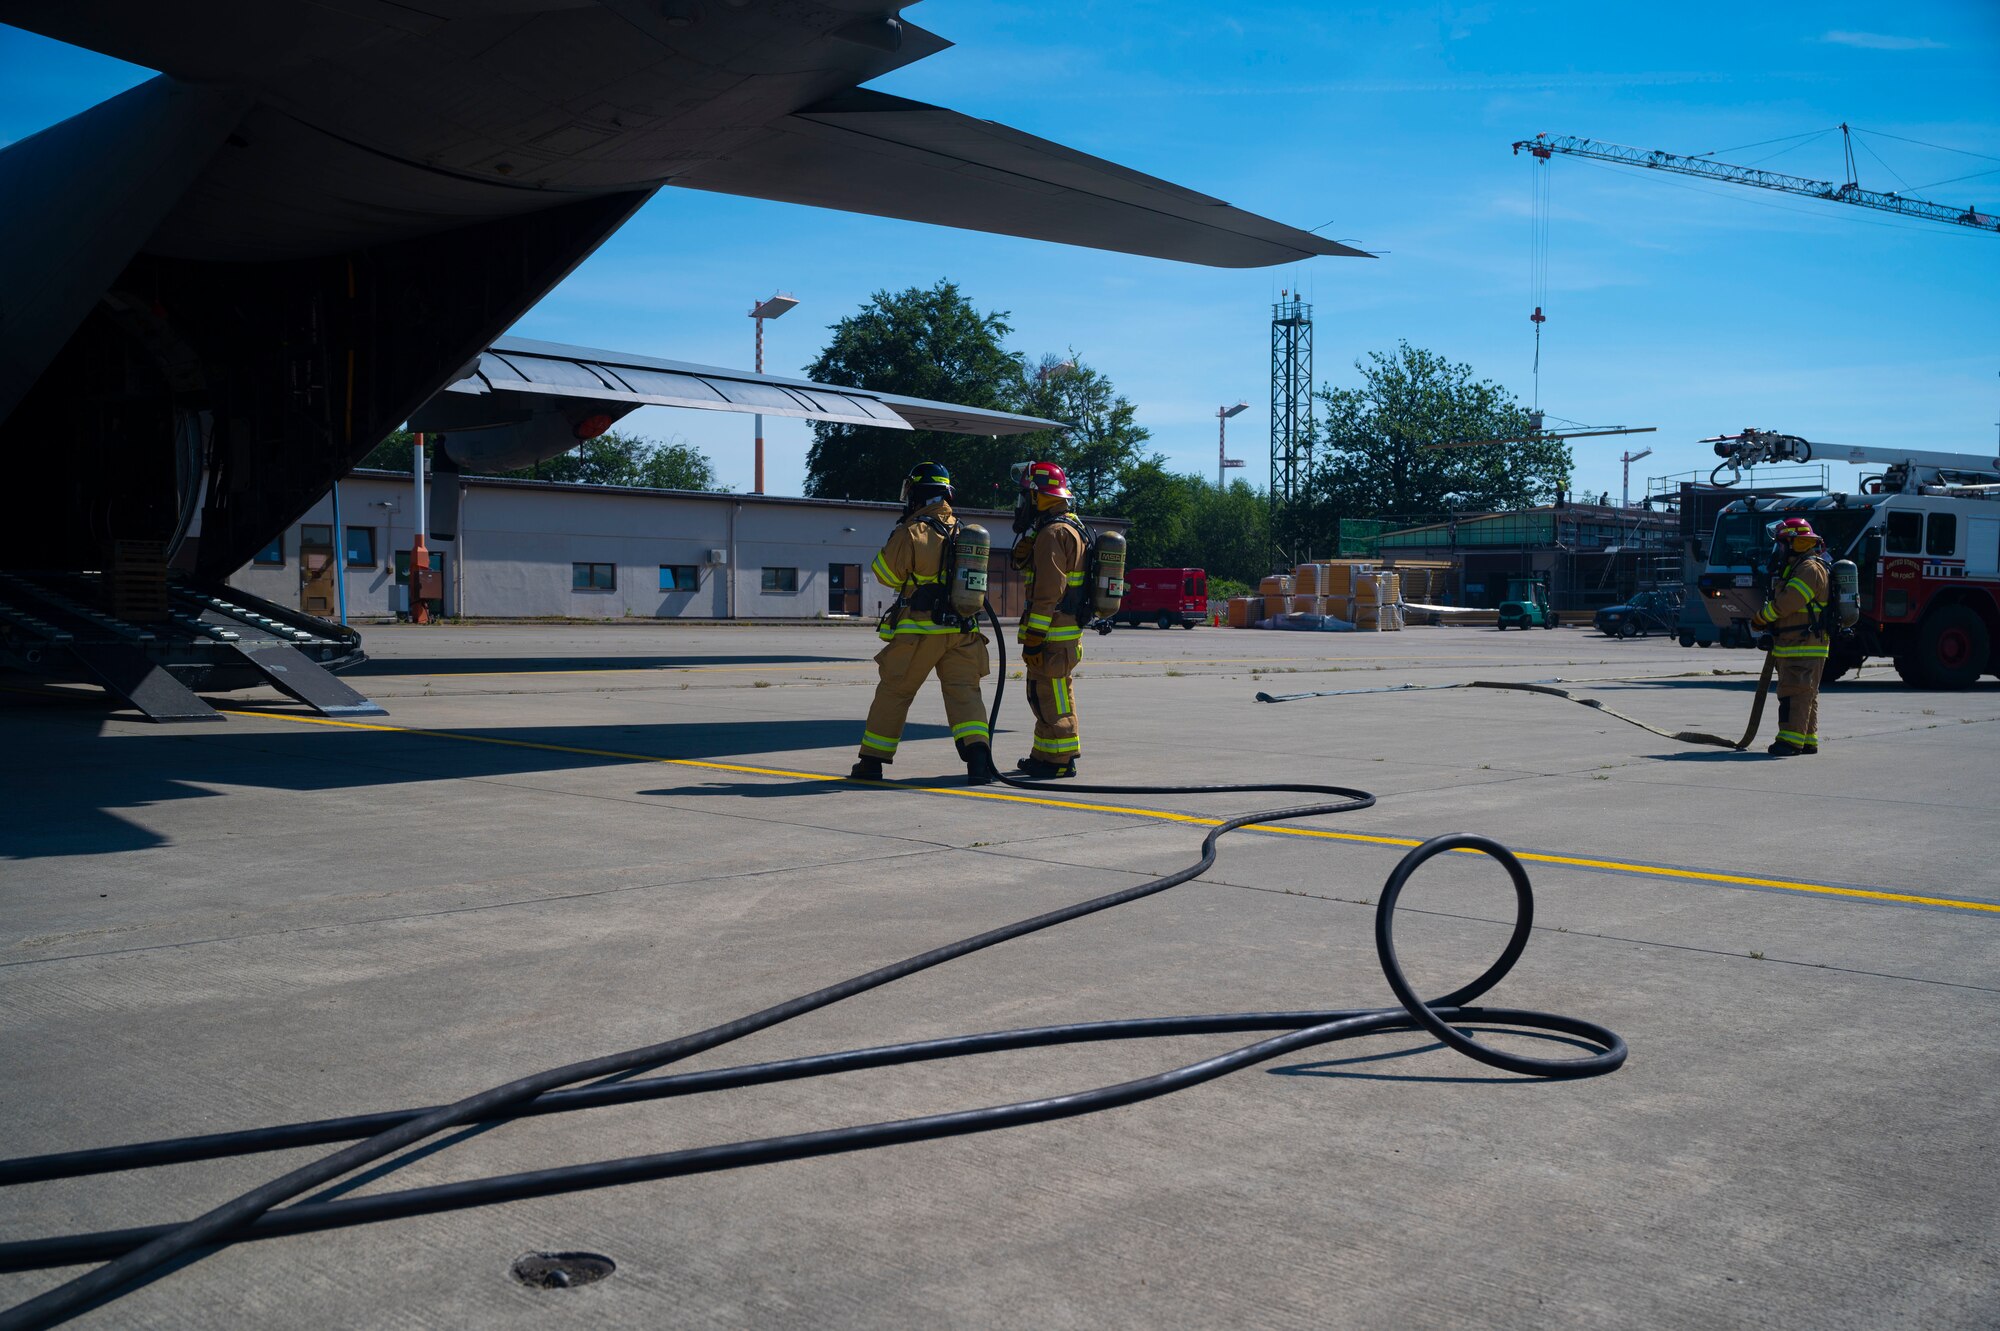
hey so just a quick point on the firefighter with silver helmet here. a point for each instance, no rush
(928, 629)
(1050, 551)
(1792, 621)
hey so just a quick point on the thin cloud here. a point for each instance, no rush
(1878, 41)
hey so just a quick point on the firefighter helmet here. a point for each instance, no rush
(1795, 535)
(1044, 480)
(926, 482)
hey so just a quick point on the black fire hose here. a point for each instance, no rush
(132, 1253)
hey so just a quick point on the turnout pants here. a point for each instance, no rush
(1798, 700)
(1053, 703)
(959, 661)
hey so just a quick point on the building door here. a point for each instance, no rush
(438, 572)
(843, 584)
(317, 570)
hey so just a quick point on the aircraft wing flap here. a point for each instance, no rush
(517, 371)
(868, 152)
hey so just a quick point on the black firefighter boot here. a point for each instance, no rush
(979, 769)
(1040, 769)
(866, 769)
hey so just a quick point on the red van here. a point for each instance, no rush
(1165, 596)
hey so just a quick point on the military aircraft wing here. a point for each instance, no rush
(864, 151)
(522, 401)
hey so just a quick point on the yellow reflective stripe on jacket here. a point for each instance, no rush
(1800, 651)
(1066, 633)
(1075, 577)
(883, 573)
(1034, 621)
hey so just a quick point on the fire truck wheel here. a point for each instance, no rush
(1952, 648)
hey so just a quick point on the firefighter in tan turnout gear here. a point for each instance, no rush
(1050, 554)
(1793, 622)
(925, 635)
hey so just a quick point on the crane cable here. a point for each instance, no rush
(1538, 262)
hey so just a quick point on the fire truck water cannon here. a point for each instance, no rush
(1754, 448)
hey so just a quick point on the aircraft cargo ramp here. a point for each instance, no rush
(56, 627)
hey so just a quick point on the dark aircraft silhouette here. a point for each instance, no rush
(222, 288)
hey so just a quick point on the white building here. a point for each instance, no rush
(531, 549)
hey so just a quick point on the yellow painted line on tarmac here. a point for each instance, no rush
(1129, 811)
(388, 662)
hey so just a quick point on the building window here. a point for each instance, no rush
(274, 553)
(781, 579)
(317, 534)
(679, 577)
(361, 547)
(593, 577)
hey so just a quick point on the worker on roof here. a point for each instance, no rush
(1050, 553)
(1793, 625)
(925, 636)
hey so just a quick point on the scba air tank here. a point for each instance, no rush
(1846, 592)
(1107, 588)
(970, 549)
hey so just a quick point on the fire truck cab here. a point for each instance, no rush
(1924, 535)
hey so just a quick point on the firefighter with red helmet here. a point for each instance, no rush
(924, 637)
(1050, 552)
(1793, 622)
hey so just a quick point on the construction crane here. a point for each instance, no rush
(1545, 146)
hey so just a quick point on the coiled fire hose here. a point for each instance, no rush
(129, 1254)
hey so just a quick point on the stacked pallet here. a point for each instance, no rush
(1361, 594)
(1277, 593)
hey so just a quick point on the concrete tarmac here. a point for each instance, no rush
(570, 840)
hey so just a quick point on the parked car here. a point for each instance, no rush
(1647, 613)
(1164, 596)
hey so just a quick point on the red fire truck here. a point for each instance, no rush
(1924, 534)
(1164, 596)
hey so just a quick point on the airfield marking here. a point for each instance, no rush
(1167, 815)
(825, 665)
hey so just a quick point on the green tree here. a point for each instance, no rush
(393, 453)
(922, 342)
(612, 458)
(1372, 456)
(1103, 440)
(678, 465)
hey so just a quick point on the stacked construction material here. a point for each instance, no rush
(1277, 594)
(1378, 596)
(1327, 594)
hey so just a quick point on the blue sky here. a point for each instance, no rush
(1693, 307)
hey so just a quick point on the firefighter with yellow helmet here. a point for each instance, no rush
(1793, 623)
(926, 632)
(1050, 552)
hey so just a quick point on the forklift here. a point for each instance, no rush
(1526, 606)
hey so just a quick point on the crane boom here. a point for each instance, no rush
(1545, 146)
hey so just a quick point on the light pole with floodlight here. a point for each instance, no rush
(1222, 459)
(770, 309)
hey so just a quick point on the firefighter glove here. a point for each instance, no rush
(1765, 642)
